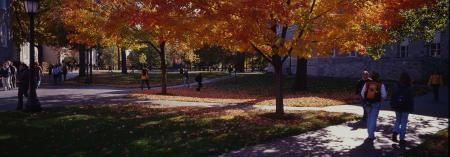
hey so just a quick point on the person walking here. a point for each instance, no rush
(402, 102)
(23, 77)
(435, 81)
(199, 80)
(373, 93)
(110, 69)
(55, 73)
(12, 77)
(64, 72)
(186, 78)
(38, 75)
(5, 75)
(359, 86)
(145, 79)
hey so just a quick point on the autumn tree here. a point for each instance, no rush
(275, 29)
(158, 24)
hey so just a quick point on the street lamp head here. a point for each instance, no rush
(31, 6)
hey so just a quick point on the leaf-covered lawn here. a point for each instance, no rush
(133, 79)
(139, 130)
(258, 89)
(435, 146)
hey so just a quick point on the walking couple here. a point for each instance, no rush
(373, 93)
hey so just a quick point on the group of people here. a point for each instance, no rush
(145, 78)
(373, 92)
(58, 72)
(17, 75)
(8, 75)
(186, 83)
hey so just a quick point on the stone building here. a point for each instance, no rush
(418, 58)
(6, 45)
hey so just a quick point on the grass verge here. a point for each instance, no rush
(144, 130)
(435, 146)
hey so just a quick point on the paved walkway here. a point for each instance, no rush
(51, 95)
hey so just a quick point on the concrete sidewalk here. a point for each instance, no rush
(348, 139)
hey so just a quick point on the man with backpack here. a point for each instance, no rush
(373, 93)
(359, 86)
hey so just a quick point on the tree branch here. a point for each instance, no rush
(262, 54)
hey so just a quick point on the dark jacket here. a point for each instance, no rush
(360, 85)
(23, 78)
(4, 72)
(199, 78)
(402, 99)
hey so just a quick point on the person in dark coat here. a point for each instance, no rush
(359, 86)
(199, 80)
(402, 102)
(23, 77)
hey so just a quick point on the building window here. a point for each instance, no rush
(403, 52)
(433, 49)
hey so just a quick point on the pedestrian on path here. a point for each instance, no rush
(64, 72)
(199, 79)
(12, 77)
(23, 77)
(5, 75)
(364, 78)
(38, 74)
(145, 79)
(402, 102)
(373, 92)
(186, 78)
(56, 74)
(435, 81)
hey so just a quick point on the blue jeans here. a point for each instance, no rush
(401, 119)
(372, 117)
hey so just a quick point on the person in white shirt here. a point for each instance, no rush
(373, 93)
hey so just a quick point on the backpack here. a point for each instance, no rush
(435, 80)
(373, 91)
(401, 100)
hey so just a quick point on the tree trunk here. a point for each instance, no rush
(301, 74)
(278, 68)
(82, 59)
(240, 62)
(118, 58)
(124, 60)
(162, 56)
(149, 60)
(40, 54)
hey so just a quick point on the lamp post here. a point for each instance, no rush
(33, 104)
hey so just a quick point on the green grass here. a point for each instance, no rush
(435, 146)
(262, 84)
(133, 79)
(132, 130)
